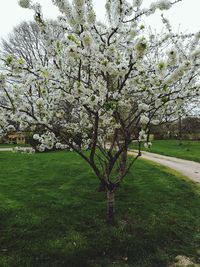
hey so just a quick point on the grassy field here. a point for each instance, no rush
(52, 216)
(187, 150)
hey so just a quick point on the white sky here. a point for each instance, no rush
(185, 14)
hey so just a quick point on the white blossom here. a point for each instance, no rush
(86, 39)
(137, 3)
(36, 137)
(147, 144)
(172, 57)
(142, 136)
(144, 120)
(164, 4)
(24, 3)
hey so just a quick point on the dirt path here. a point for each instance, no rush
(188, 168)
(5, 149)
(10, 149)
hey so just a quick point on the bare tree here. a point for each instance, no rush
(25, 42)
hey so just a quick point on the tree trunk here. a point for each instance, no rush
(110, 206)
(180, 130)
(123, 159)
(102, 187)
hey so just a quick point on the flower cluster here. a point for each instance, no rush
(24, 3)
(23, 150)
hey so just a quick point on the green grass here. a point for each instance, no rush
(52, 216)
(189, 150)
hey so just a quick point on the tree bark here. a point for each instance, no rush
(110, 206)
(102, 187)
(123, 159)
(180, 130)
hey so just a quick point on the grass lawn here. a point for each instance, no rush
(52, 216)
(187, 150)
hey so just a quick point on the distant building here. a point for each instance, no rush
(16, 138)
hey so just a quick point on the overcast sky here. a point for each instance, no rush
(185, 14)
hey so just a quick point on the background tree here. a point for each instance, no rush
(116, 77)
(26, 44)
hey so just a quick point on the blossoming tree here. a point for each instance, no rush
(105, 84)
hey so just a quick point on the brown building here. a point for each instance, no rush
(16, 138)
